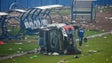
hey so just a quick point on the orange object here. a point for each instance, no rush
(1, 43)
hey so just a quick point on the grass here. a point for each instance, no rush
(90, 32)
(12, 48)
(29, 43)
(63, 12)
(102, 45)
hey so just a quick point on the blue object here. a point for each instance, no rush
(80, 35)
(81, 32)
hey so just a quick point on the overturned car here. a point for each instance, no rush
(59, 38)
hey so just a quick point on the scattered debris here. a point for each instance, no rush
(86, 45)
(92, 51)
(26, 38)
(19, 48)
(18, 43)
(18, 51)
(55, 53)
(33, 57)
(22, 51)
(63, 61)
(101, 11)
(105, 37)
(103, 30)
(10, 49)
(83, 55)
(49, 53)
(76, 56)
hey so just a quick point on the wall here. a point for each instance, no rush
(4, 4)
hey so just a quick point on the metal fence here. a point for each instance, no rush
(4, 4)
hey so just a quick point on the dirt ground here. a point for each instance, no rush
(103, 21)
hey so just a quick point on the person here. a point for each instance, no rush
(80, 35)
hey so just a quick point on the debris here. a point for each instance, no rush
(92, 51)
(19, 48)
(49, 53)
(18, 51)
(88, 30)
(82, 54)
(33, 57)
(101, 11)
(18, 43)
(105, 37)
(58, 62)
(76, 56)
(103, 30)
(63, 61)
(106, 17)
(10, 49)
(13, 61)
(55, 53)
(26, 38)
(85, 39)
